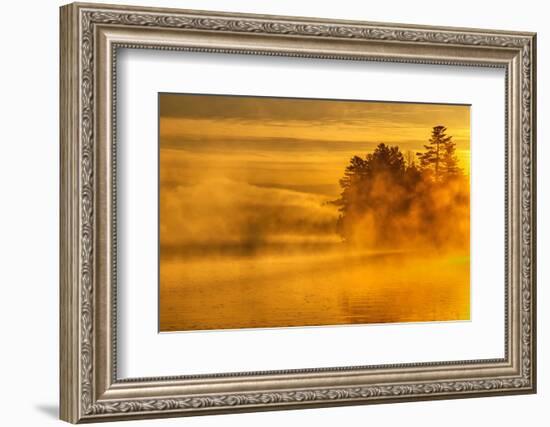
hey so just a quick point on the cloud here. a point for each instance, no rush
(188, 117)
(280, 109)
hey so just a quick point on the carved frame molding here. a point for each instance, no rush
(90, 37)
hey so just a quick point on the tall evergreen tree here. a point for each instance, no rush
(386, 159)
(449, 160)
(431, 159)
(364, 187)
(359, 175)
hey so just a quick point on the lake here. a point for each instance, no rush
(331, 286)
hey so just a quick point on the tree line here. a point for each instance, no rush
(393, 200)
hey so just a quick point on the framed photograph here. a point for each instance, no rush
(265, 212)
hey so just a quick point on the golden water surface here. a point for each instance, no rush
(312, 289)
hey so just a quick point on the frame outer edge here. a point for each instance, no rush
(69, 354)
(77, 226)
(534, 270)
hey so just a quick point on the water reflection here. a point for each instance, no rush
(329, 287)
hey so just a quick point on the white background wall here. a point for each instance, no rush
(29, 171)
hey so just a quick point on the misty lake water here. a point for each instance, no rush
(329, 287)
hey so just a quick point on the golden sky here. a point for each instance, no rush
(210, 116)
(302, 144)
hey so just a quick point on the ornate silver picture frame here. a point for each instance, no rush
(91, 35)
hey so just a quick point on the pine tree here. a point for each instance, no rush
(363, 188)
(431, 159)
(449, 160)
(353, 179)
(385, 159)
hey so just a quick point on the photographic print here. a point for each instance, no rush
(280, 212)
